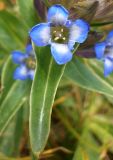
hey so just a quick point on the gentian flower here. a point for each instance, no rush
(60, 33)
(26, 62)
(104, 51)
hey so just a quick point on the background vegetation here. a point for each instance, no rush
(82, 117)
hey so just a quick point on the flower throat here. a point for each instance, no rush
(59, 34)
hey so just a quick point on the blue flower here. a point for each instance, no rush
(26, 62)
(104, 51)
(60, 33)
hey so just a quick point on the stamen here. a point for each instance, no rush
(30, 62)
(60, 35)
(62, 30)
(56, 38)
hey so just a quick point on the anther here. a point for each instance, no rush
(60, 35)
(64, 38)
(62, 30)
(56, 38)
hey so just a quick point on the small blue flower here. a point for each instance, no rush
(26, 62)
(104, 51)
(60, 33)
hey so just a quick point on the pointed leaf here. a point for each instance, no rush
(27, 11)
(47, 77)
(89, 75)
(12, 102)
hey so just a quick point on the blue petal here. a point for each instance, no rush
(61, 53)
(109, 52)
(18, 57)
(21, 73)
(68, 23)
(78, 32)
(29, 48)
(108, 66)
(100, 49)
(31, 74)
(109, 38)
(40, 34)
(57, 14)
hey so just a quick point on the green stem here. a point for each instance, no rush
(76, 47)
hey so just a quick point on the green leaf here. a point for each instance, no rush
(89, 150)
(14, 26)
(47, 77)
(18, 131)
(7, 77)
(101, 24)
(10, 140)
(13, 32)
(89, 75)
(27, 12)
(12, 102)
(103, 134)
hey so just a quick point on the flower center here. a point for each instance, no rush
(59, 34)
(30, 62)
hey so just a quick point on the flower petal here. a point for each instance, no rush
(61, 53)
(29, 48)
(78, 32)
(100, 49)
(109, 38)
(57, 14)
(18, 57)
(108, 66)
(109, 52)
(68, 23)
(31, 74)
(40, 34)
(21, 73)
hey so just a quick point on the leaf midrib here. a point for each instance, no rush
(46, 88)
